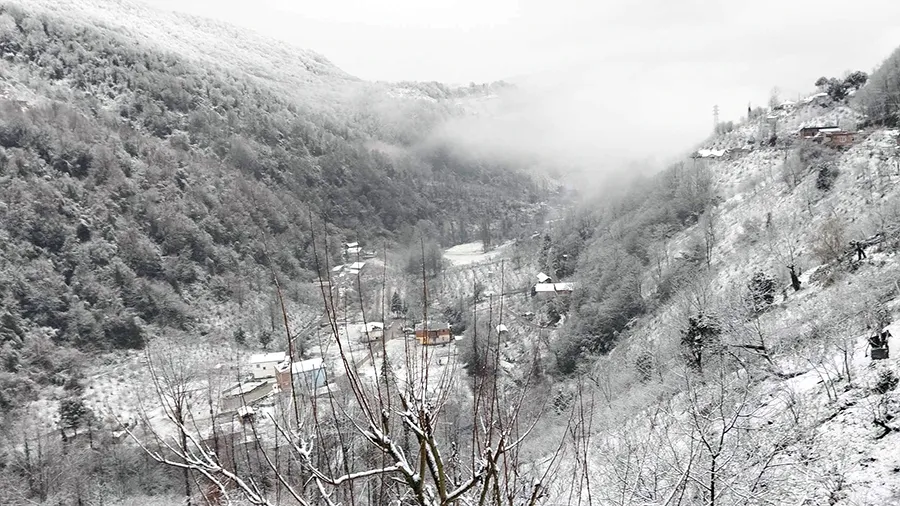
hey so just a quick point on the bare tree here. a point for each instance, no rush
(391, 434)
(174, 380)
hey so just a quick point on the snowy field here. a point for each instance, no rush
(471, 253)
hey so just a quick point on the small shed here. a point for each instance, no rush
(543, 278)
(502, 330)
(244, 394)
(880, 343)
(430, 333)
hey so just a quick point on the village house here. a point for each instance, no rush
(840, 139)
(543, 278)
(352, 249)
(309, 375)
(263, 365)
(818, 99)
(431, 333)
(243, 394)
(552, 289)
(361, 332)
(709, 153)
(811, 132)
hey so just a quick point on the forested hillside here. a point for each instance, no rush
(139, 185)
(733, 337)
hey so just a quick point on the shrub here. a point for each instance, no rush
(762, 291)
(826, 176)
(124, 332)
(886, 381)
(830, 244)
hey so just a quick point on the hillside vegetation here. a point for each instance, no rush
(705, 374)
(140, 187)
(716, 341)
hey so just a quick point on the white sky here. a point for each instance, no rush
(656, 65)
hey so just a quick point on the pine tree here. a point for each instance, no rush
(240, 336)
(265, 337)
(396, 304)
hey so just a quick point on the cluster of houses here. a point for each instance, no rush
(353, 251)
(831, 135)
(355, 260)
(545, 287)
(271, 374)
(352, 269)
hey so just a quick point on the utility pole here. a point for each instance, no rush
(715, 118)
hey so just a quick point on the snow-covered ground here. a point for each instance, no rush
(472, 253)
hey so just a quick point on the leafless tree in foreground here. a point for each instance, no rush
(408, 436)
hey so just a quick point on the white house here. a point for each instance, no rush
(361, 332)
(264, 365)
(552, 289)
(352, 248)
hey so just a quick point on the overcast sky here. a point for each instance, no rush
(659, 65)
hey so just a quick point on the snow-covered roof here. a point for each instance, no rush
(337, 268)
(307, 365)
(811, 98)
(711, 153)
(543, 278)
(357, 265)
(353, 272)
(554, 287)
(374, 326)
(354, 250)
(352, 245)
(433, 326)
(243, 388)
(502, 328)
(261, 358)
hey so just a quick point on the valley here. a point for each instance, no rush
(233, 273)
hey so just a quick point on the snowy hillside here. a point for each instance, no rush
(788, 407)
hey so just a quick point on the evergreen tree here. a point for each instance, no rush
(265, 338)
(240, 336)
(396, 304)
